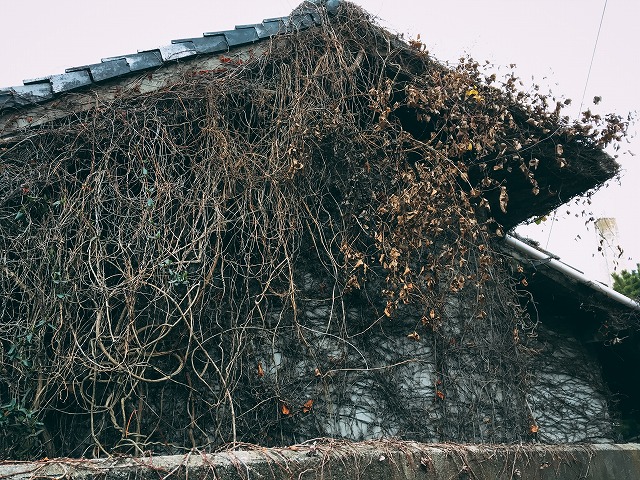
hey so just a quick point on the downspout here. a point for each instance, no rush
(570, 272)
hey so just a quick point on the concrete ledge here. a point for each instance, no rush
(333, 460)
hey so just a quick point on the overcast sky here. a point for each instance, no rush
(552, 40)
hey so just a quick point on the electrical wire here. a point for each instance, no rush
(584, 93)
(593, 55)
(553, 221)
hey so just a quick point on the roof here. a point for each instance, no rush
(49, 98)
(533, 253)
(559, 289)
(43, 89)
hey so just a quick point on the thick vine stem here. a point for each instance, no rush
(296, 246)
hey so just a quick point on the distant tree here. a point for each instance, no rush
(628, 283)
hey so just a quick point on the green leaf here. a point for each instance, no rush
(627, 283)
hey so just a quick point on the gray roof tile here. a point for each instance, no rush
(300, 22)
(38, 90)
(69, 81)
(317, 19)
(275, 19)
(269, 28)
(29, 81)
(110, 69)
(176, 51)
(6, 99)
(286, 23)
(34, 92)
(240, 36)
(332, 6)
(212, 44)
(140, 61)
(23, 95)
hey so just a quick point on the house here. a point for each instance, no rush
(592, 315)
(289, 230)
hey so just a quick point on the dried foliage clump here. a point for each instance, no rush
(163, 253)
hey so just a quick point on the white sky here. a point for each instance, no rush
(550, 39)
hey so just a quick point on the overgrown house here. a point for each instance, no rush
(291, 230)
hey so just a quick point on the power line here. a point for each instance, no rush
(593, 55)
(584, 93)
(553, 221)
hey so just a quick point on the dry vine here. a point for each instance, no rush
(161, 253)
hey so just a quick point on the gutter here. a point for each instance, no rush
(570, 272)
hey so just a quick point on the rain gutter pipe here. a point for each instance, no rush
(570, 272)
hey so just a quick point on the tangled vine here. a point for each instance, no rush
(230, 258)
